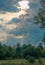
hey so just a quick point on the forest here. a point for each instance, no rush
(22, 52)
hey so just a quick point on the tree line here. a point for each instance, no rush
(21, 52)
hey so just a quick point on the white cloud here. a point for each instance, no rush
(9, 15)
(7, 18)
(10, 26)
(19, 37)
(23, 5)
(4, 36)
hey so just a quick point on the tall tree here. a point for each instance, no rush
(40, 18)
(18, 50)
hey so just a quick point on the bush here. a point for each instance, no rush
(27, 57)
(31, 59)
(40, 61)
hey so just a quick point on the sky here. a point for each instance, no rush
(17, 22)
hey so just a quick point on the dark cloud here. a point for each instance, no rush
(26, 27)
(7, 5)
(33, 34)
(1, 26)
(1, 19)
(14, 20)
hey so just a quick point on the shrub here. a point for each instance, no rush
(31, 59)
(27, 57)
(40, 61)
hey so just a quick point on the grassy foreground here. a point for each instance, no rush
(20, 62)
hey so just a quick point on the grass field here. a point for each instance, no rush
(20, 62)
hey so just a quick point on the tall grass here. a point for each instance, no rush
(20, 62)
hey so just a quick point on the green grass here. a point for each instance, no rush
(20, 62)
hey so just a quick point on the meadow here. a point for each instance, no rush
(21, 62)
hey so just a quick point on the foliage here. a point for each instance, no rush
(31, 59)
(40, 61)
(40, 18)
(18, 52)
(20, 62)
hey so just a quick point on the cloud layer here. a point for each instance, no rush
(17, 22)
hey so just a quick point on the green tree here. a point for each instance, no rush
(0, 44)
(43, 40)
(18, 50)
(40, 46)
(29, 51)
(31, 59)
(40, 18)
